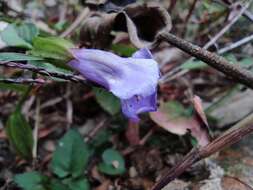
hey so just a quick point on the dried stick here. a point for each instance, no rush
(236, 44)
(226, 28)
(190, 11)
(36, 129)
(235, 134)
(247, 14)
(22, 81)
(76, 23)
(43, 71)
(239, 74)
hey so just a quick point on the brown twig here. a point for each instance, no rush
(187, 18)
(236, 44)
(76, 23)
(226, 28)
(247, 14)
(221, 64)
(167, 77)
(95, 130)
(42, 71)
(235, 134)
(22, 81)
(240, 181)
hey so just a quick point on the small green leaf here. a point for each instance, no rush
(14, 87)
(193, 64)
(71, 155)
(213, 7)
(231, 58)
(101, 138)
(113, 163)
(31, 181)
(107, 100)
(20, 134)
(9, 56)
(52, 48)
(27, 31)
(246, 62)
(123, 50)
(56, 184)
(20, 35)
(77, 184)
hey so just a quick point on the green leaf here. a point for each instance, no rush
(20, 134)
(123, 50)
(27, 31)
(231, 58)
(101, 138)
(77, 184)
(113, 163)
(14, 87)
(71, 155)
(56, 184)
(9, 56)
(52, 48)
(107, 100)
(19, 35)
(193, 64)
(246, 62)
(213, 7)
(31, 181)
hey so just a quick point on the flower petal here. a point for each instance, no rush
(137, 104)
(134, 80)
(138, 77)
(143, 53)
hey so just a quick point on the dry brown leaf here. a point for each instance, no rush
(96, 30)
(197, 103)
(173, 122)
(234, 108)
(135, 19)
(97, 175)
(229, 183)
(177, 185)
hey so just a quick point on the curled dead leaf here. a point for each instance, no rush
(197, 103)
(135, 19)
(95, 32)
(172, 117)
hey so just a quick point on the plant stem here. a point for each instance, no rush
(42, 71)
(233, 135)
(233, 71)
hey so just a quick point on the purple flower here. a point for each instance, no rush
(134, 79)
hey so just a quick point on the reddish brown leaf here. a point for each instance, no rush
(197, 103)
(171, 121)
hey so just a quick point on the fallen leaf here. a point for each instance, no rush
(197, 103)
(233, 108)
(173, 117)
(230, 183)
(177, 185)
(135, 19)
